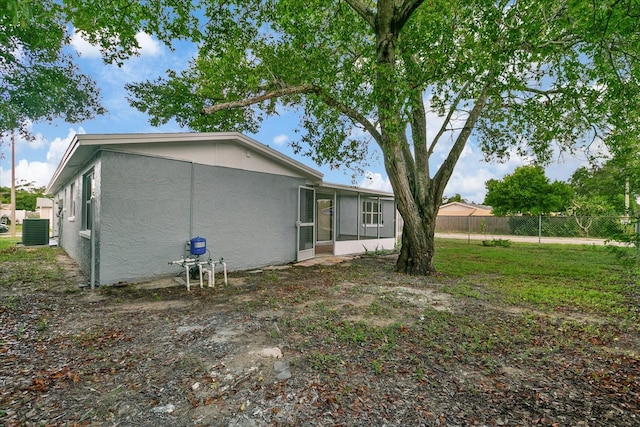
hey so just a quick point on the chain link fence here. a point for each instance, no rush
(537, 226)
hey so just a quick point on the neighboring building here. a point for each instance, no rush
(126, 204)
(464, 209)
(44, 209)
(5, 212)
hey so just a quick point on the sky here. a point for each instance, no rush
(37, 160)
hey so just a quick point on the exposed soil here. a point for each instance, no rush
(349, 344)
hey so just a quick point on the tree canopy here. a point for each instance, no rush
(455, 198)
(26, 195)
(527, 191)
(522, 77)
(601, 189)
(39, 81)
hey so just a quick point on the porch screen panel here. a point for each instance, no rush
(306, 238)
(347, 217)
(324, 216)
(388, 218)
(307, 206)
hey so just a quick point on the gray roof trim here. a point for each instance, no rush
(84, 146)
(355, 189)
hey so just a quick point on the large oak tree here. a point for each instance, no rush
(520, 76)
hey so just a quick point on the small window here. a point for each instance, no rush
(72, 201)
(88, 184)
(371, 214)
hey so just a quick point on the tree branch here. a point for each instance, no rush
(444, 173)
(353, 115)
(299, 90)
(418, 119)
(452, 110)
(285, 91)
(366, 13)
(542, 91)
(405, 11)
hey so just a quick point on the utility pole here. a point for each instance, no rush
(12, 226)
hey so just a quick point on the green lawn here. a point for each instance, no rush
(567, 277)
(28, 265)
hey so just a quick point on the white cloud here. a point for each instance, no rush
(376, 181)
(83, 47)
(469, 183)
(38, 172)
(22, 144)
(280, 140)
(148, 46)
(59, 146)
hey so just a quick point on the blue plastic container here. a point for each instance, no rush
(198, 246)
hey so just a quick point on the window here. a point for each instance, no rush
(72, 202)
(87, 192)
(371, 215)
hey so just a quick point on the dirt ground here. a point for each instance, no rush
(343, 344)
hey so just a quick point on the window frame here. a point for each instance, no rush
(72, 202)
(371, 212)
(88, 189)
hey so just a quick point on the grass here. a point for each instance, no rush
(28, 265)
(7, 242)
(550, 277)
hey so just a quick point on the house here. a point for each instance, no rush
(44, 209)
(128, 204)
(464, 209)
(5, 214)
(459, 217)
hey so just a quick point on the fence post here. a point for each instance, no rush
(539, 228)
(635, 238)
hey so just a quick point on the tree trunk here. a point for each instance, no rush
(418, 244)
(409, 185)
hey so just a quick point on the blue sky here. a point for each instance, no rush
(36, 161)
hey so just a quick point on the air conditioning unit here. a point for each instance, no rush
(35, 232)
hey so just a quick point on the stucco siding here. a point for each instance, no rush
(150, 207)
(248, 218)
(143, 216)
(69, 225)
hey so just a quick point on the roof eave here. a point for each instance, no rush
(90, 143)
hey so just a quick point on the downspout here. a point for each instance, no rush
(359, 216)
(93, 243)
(379, 218)
(60, 216)
(193, 190)
(334, 221)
